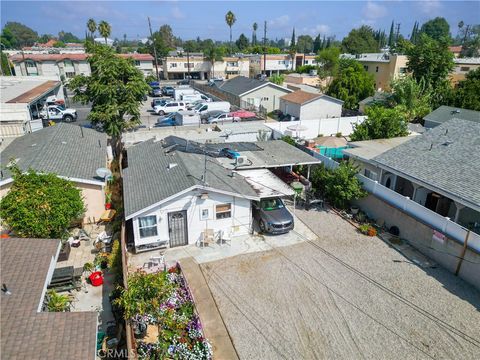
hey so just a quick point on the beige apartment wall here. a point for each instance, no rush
(94, 200)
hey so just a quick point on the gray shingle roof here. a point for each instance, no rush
(26, 333)
(241, 84)
(60, 149)
(445, 113)
(148, 179)
(446, 157)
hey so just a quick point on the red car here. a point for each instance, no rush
(243, 114)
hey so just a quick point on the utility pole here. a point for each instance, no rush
(397, 33)
(154, 48)
(265, 48)
(466, 35)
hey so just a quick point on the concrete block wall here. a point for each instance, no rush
(420, 236)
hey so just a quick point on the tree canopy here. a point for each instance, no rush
(20, 35)
(430, 61)
(328, 60)
(413, 97)
(352, 83)
(437, 29)
(115, 88)
(304, 44)
(361, 40)
(242, 42)
(467, 93)
(381, 123)
(40, 205)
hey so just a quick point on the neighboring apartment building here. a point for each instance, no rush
(384, 67)
(66, 66)
(48, 48)
(274, 64)
(176, 67)
(462, 67)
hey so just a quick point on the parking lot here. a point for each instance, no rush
(343, 295)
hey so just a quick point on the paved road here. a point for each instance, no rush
(343, 296)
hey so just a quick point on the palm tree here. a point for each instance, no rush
(104, 29)
(92, 27)
(230, 20)
(212, 54)
(254, 37)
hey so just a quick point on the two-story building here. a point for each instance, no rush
(462, 67)
(196, 66)
(66, 66)
(271, 64)
(383, 66)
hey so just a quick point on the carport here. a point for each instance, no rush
(22, 100)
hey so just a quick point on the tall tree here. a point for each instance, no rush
(166, 33)
(381, 123)
(351, 84)
(470, 40)
(254, 34)
(23, 35)
(242, 42)
(7, 39)
(361, 40)
(292, 41)
(430, 61)
(213, 54)
(92, 27)
(304, 44)
(68, 37)
(104, 29)
(437, 29)
(230, 20)
(317, 44)
(115, 88)
(328, 60)
(391, 36)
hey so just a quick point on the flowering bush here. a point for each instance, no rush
(163, 299)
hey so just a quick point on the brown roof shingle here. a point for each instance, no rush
(300, 97)
(26, 333)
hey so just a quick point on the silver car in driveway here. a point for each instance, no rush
(272, 216)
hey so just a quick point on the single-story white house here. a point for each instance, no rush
(176, 189)
(305, 105)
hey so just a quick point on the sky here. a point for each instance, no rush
(206, 19)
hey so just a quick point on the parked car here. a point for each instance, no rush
(227, 152)
(183, 82)
(166, 122)
(170, 107)
(165, 117)
(59, 113)
(209, 114)
(155, 91)
(272, 216)
(222, 117)
(161, 102)
(243, 114)
(168, 90)
(154, 84)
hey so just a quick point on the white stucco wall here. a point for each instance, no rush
(267, 96)
(322, 108)
(238, 223)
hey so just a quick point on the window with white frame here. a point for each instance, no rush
(147, 226)
(371, 175)
(232, 63)
(137, 63)
(173, 65)
(223, 211)
(69, 74)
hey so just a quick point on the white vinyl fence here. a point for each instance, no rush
(427, 216)
(313, 128)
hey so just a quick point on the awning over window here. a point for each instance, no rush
(266, 184)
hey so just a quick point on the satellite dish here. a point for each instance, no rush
(103, 173)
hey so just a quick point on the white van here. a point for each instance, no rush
(191, 98)
(204, 108)
(179, 92)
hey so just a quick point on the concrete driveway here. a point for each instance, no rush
(343, 296)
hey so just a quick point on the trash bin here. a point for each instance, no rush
(96, 278)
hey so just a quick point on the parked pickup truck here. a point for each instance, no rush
(59, 113)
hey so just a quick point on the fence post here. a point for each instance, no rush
(460, 260)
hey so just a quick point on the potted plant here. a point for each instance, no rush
(57, 302)
(88, 267)
(367, 229)
(108, 201)
(354, 209)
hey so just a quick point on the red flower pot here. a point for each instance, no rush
(108, 206)
(96, 278)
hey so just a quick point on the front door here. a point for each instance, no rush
(177, 228)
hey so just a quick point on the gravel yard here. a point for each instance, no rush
(345, 296)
